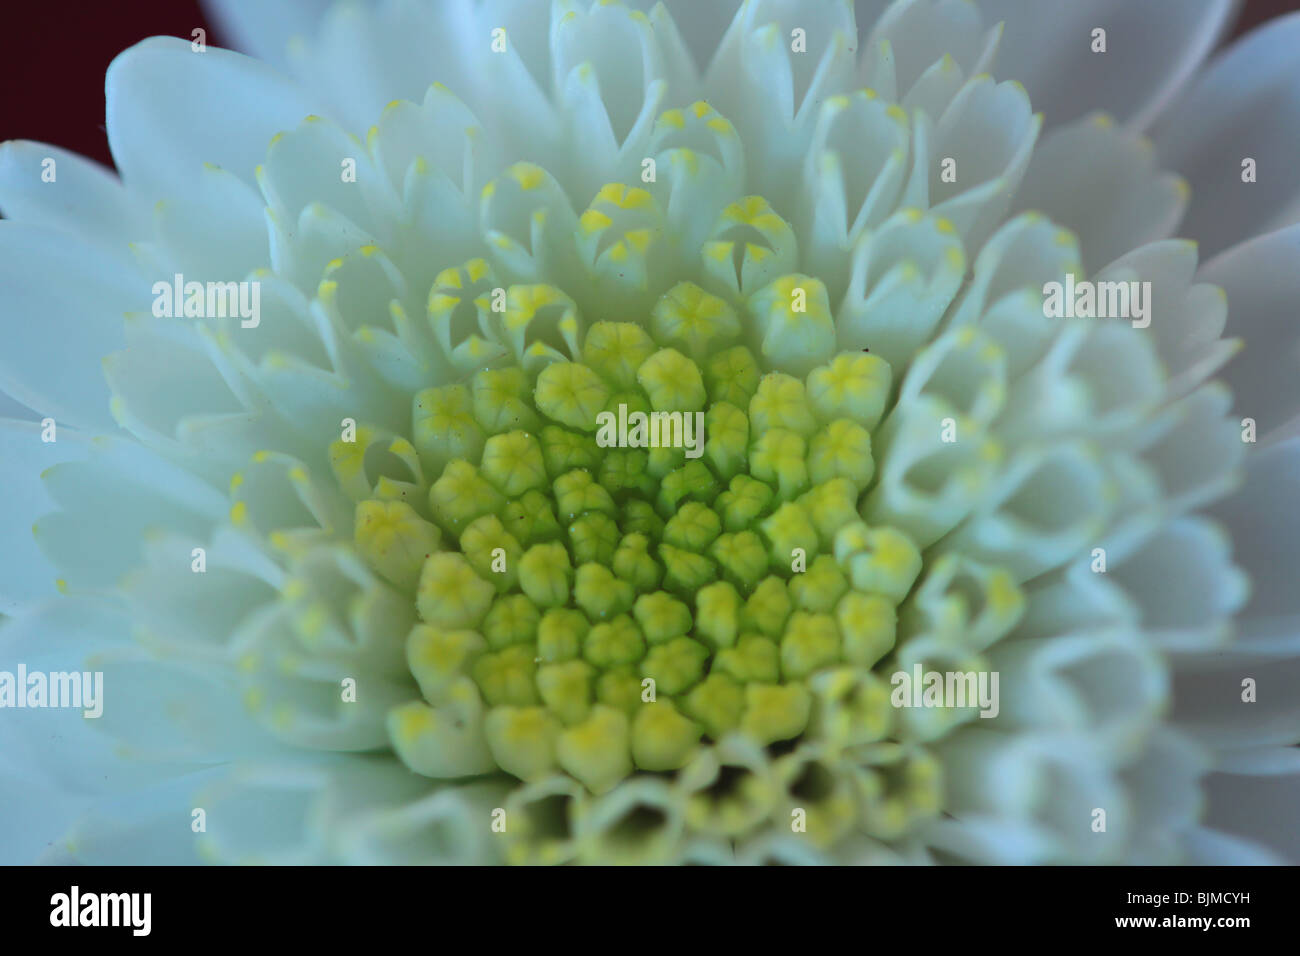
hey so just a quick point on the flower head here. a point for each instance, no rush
(609, 445)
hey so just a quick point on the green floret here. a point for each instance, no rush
(502, 402)
(675, 665)
(732, 376)
(566, 689)
(672, 381)
(754, 658)
(616, 350)
(727, 439)
(443, 426)
(492, 551)
(545, 573)
(530, 519)
(698, 321)
(600, 594)
(625, 472)
(450, 594)
(820, 587)
(768, 608)
(461, 495)
(613, 643)
(662, 617)
(577, 492)
(560, 634)
(787, 529)
(742, 558)
(564, 451)
(693, 481)
(639, 517)
(513, 619)
(717, 614)
(684, 571)
(780, 402)
(513, 463)
(693, 527)
(744, 502)
(778, 458)
(593, 538)
(632, 563)
(506, 677)
(571, 394)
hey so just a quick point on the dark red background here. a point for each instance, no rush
(53, 57)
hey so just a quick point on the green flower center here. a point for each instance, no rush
(601, 610)
(607, 599)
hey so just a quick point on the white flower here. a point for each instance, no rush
(425, 595)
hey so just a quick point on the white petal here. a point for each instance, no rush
(905, 274)
(1262, 761)
(449, 827)
(160, 712)
(990, 840)
(921, 35)
(989, 131)
(110, 502)
(11, 408)
(262, 813)
(1258, 808)
(35, 813)
(1265, 526)
(1164, 788)
(1198, 455)
(264, 30)
(1207, 847)
(772, 93)
(25, 573)
(214, 232)
(363, 56)
(1186, 319)
(1244, 105)
(1262, 282)
(701, 25)
(84, 198)
(149, 826)
(1103, 185)
(60, 746)
(303, 166)
(1208, 697)
(1151, 49)
(170, 110)
(1049, 782)
(1102, 683)
(62, 300)
(1184, 583)
(853, 177)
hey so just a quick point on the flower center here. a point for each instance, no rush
(631, 541)
(600, 588)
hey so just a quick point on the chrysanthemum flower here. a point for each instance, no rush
(365, 586)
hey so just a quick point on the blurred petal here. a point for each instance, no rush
(1152, 47)
(170, 110)
(1245, 105)
(264, 30)
(1263, 286)
(25, 573)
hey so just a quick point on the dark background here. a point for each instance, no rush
(53, 57)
